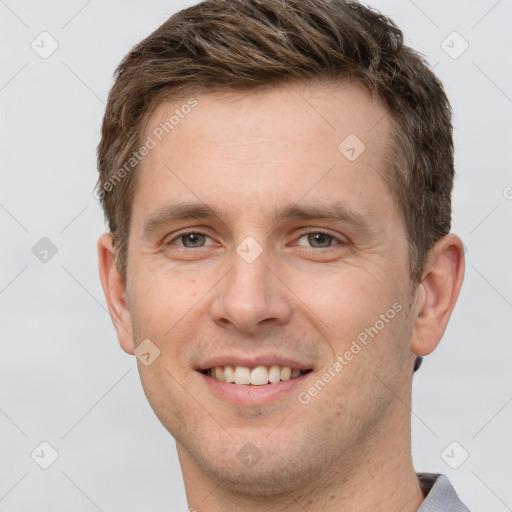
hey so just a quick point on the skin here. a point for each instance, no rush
(247, 154)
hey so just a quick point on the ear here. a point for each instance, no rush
(115, 292)
(437, 293)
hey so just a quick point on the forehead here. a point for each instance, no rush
(265, 143)
(327, 111)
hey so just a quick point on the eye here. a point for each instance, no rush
(190, 240)
(319, 240)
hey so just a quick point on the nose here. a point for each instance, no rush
(251, 297)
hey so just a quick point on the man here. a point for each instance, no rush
(276, 176)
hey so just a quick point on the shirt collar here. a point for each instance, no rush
(439, 494)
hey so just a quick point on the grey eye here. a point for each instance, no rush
(318, 240)
(191, 240)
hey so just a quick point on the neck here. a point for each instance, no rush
(377, 476)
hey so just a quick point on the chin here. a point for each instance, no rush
(273, 471)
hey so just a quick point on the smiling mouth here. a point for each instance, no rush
(258, 376)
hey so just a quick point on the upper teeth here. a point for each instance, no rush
(255, 376)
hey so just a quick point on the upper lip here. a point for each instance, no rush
(254, 361)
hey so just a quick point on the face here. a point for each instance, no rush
(265, 240)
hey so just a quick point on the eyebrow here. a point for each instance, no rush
(335, 212)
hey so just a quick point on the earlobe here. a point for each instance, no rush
(437, 293)
(114, 289)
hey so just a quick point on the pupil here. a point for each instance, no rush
(320, 238)
(193, 239)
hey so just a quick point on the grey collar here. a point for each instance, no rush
(439, 494)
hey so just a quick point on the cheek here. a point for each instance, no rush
(347, 300)
(362, 317)
(165, 310)
(163, 300)
(169, 401)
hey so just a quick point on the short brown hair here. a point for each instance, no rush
(246, 44)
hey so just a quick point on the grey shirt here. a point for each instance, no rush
(439, 494)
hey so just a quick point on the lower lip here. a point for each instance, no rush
(240, 394)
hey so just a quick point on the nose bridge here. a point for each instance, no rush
(250, 295)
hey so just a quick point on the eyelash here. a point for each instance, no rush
(315, 232)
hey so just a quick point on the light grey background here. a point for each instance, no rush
(63, 377)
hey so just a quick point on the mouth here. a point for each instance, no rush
(254, 380)
(255, 376)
